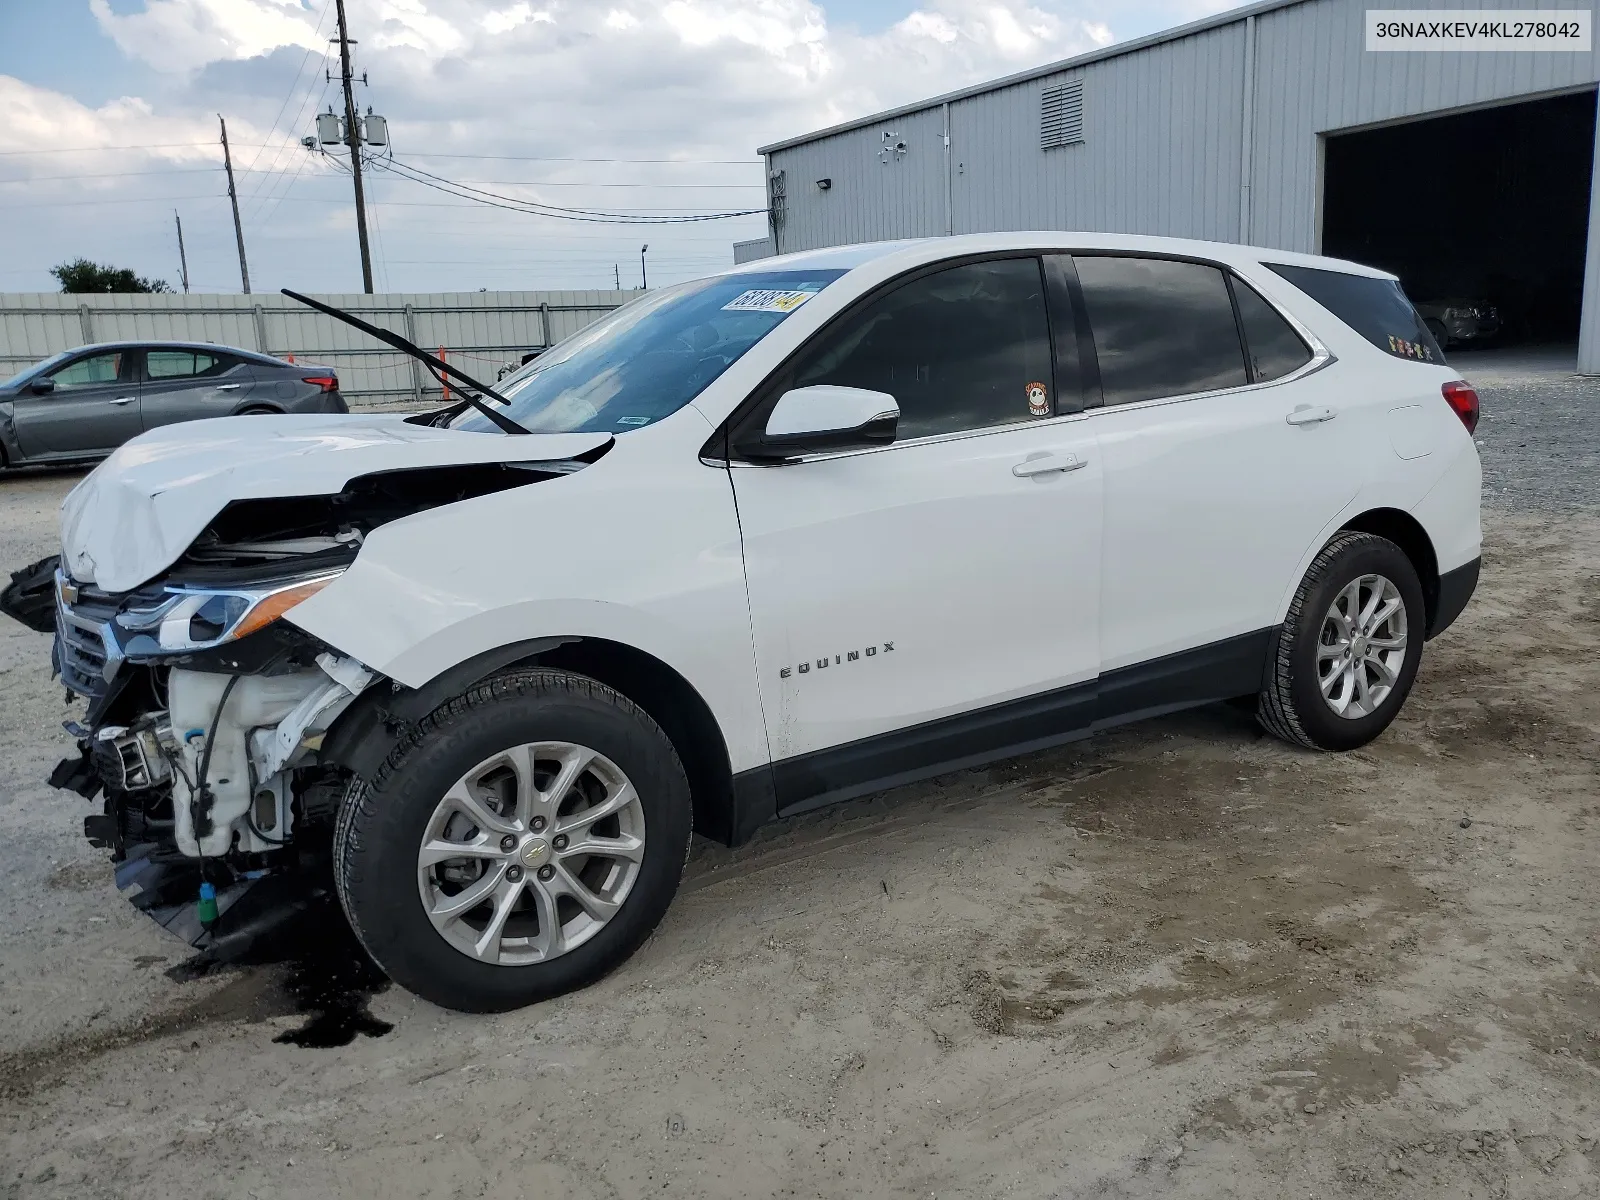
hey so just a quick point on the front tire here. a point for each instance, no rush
(523, 843)
(1344, 660)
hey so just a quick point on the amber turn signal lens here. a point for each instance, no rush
(275, 605)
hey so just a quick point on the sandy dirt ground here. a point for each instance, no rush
(1180, 960)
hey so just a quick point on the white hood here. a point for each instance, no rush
(138, 511)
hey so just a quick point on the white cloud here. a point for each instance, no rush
(179, 35)
(504, 20)
(529, 81)
(39, 120)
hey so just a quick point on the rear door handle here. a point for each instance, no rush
(228, 387)
(1046, 464)
(123, 400)
(1304, 414)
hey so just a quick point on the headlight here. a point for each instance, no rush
(194, 618)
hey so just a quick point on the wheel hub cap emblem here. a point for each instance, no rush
(535, 852)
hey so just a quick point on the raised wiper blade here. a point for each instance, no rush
(436, 365)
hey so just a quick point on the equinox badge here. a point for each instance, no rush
(823, 662)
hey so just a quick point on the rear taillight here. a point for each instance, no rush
(1458, 394)
(328, 383)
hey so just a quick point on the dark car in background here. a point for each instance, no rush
(84, 403)
(1453, 322)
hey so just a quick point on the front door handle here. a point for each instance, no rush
(1046, 464)
(1304, 414)
(123, 400)
(228, 387)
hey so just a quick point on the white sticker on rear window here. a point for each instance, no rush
(767, 300)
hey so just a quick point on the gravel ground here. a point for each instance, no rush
(1540, 432)
(1178, 960)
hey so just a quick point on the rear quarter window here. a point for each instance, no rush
(1377, 309)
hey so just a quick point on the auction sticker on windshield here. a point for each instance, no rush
(767, 300)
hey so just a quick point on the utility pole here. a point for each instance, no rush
(644, 280)
(233, 197)
(616, 277)
(353, 135)
(183, 259)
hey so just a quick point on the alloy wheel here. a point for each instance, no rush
(1362, 646)
(530, 853)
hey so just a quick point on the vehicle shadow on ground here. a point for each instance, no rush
(1224, 725)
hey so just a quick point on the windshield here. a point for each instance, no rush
(652, 356)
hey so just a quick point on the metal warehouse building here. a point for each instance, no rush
(1468, 174)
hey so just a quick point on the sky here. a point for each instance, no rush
(109, 124)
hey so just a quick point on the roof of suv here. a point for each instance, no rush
(915, 250)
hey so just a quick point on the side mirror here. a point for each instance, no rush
(822, 418)
(42, 386)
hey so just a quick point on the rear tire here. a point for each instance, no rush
(577, 898)
(1436, 328)
(1334, 683)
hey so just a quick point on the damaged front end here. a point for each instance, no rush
(204, 714)
(206, 711)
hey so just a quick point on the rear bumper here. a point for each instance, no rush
(1455, 589)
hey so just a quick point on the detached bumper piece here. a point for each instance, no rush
(30, 597)
(165, 887)
(252, 906)
(77, 775)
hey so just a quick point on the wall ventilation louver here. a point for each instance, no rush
(1061, 115)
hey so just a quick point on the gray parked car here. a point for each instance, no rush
(84, 403)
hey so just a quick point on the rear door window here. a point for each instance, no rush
(1377, 309)
(1161, 327)
(1274, 348)
(183, 364)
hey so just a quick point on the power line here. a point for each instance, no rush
(545, 183)
(733, 162)
(102, 149)
(265, 215)
(264, 188)
(115, 174)
(638, 216)
(293, 87)
(274, 191)
(271, 170)
(536, 208)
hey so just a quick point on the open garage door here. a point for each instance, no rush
(1484, 211)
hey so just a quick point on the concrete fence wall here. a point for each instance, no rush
(480, 331)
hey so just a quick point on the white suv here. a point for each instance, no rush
(806, 529)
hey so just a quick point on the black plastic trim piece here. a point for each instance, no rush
(1066, 340)
(964, 740)
(1062, 267)
(1455, 590)
(1232, 667)
(1218, 671)
(753, 802)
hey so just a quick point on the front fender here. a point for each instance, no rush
(641, 549)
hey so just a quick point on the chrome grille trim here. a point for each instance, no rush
(87, 654)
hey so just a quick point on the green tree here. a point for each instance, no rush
(81, 275)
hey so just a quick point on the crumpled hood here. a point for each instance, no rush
(139, 510)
